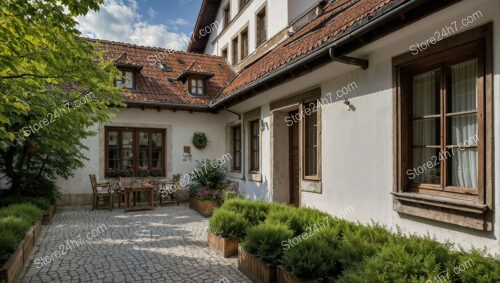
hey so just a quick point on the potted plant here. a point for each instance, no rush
(205, 194)
(262, 251)
(225, 230)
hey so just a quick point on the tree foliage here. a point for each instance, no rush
(55, 87)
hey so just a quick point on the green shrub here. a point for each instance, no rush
(26, 211)
(42, 202)
(407, 259)
(229, 195)
(228, 224)
(12, 231)
(39, 186)
(265, 241)
(8, 244)
(311, 259)
(475, 266)
(254, 212)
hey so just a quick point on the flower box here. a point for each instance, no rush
(254, 268)
(287, 277)
(203, 207)
(225, 247)
(13, 267)
(47, 217)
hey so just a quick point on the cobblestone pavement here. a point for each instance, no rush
(168, 244)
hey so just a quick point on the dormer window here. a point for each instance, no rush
(197, 87)
(126, 81)
(195, 79)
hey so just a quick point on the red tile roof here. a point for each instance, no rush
(195, 69)
(153, 85)
(339, 18)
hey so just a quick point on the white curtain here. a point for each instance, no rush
(425, 132)
(464, 170)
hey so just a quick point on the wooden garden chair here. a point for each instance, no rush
(100, 191)
(124, 182)
(173, 197)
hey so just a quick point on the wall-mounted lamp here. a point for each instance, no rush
(264, 125)
(349, 105)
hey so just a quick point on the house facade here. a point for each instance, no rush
(375, 110)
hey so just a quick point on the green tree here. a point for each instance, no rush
(55, 87)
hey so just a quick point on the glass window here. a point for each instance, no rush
(311, 139)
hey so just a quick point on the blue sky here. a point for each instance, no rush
(161, 23)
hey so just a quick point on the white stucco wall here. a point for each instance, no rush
(276, 17)
(357, 152)
(180, 127)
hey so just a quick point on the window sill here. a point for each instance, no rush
(454, 211)
(255, 176)
(235, 174)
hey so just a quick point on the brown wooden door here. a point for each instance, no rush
(294, 163)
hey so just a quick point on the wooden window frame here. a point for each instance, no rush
(243, 4)
(460, 206)
(204, 88)
(261, 31)
(235, 43)
(226, 15)
(244, 48)
(235, 150)
(252, 168)
(225, 53)
(123, 80)
(305, 176)
(135, 146)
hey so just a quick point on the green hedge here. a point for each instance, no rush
(315, 246)
(41, 202)
(228, 224)
(15, 221)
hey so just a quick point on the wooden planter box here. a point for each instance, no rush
(203, 207)
(12, 269)
(286, 277)
(224, 247)
(254, 268)
(47, 217)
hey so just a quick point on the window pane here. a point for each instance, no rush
(426, 94)
(113, 150)
(143, 150)
(157, 149)
(426, 132)
(426, 166)
(129, 80)
(118, 82)
(463, 169)
(311, 143)
(462, 130)
(128, 156)
(462, 92)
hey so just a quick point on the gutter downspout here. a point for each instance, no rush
(316, 53)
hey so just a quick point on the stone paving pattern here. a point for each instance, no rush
(167, 244)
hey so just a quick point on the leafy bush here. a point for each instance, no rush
(264, 241)
(208, 195)
(475, 266)
(299, 220)
(228, 224)
(229, 195)
(41, 187)
(208, 174)
(40, 202)
(26, 211)
(12, 231)
(254, 212)
(311, 259)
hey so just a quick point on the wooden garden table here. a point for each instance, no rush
(131, 190)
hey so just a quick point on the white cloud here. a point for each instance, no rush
(120, 21)
(152, 13)
(178, 22)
